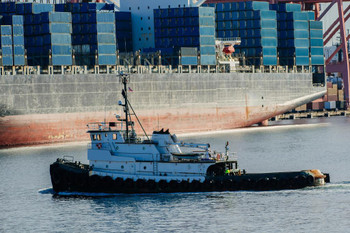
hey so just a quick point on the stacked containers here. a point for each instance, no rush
(6, 45)
(206, 24)
(105, 42)
(56, 30)
(255, 24)
(93, 37)
(33, 40)
(293, 34)
(187, 27)
(33, 8)
(18, 37)
(316, 42)
(189, 56)
(123, 28)
(7, 8)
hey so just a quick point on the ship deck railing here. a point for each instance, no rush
(150, 69)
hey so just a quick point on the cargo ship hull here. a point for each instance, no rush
(38, 109)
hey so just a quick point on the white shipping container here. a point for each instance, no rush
(330, 105)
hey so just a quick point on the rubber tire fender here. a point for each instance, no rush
(151, 186)
(310, 180)
(163, 185)
(108, 183)
(94, 182)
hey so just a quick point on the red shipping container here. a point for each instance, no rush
(309, 106)
(317, 106)
(332, 98)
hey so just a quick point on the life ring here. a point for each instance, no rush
(99, 145)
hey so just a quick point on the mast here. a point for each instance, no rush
(124, 78)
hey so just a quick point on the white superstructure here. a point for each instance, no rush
(116, 151)
(160, 158)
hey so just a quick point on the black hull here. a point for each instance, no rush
(74, 177)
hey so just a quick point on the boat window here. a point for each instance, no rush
(98, 137)
(115, 136)
(105, 135)
(94, 138)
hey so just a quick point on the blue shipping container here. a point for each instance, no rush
(317, 60)
(189, 60)
(5, 30)
(61, 60)
(208, 60)
(56, 17)
(315, 24)
(7, 60)
(18, 60)
(107, 59)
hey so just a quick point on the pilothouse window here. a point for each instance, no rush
(98, 137)
(115, 136)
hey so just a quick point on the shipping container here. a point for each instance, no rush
(253, 5)
(315, 24)
(317, 60)
(189, 51)
(107, 59)
(7, 60)
(188, 60)
(60, 60)
(56, 17)
(208, 60)
(286, 7)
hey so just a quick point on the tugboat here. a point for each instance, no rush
(122, 162)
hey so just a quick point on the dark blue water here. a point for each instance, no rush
(27, 205)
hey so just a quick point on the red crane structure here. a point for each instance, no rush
(338, 24)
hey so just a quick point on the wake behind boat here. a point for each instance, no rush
(122, 162)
